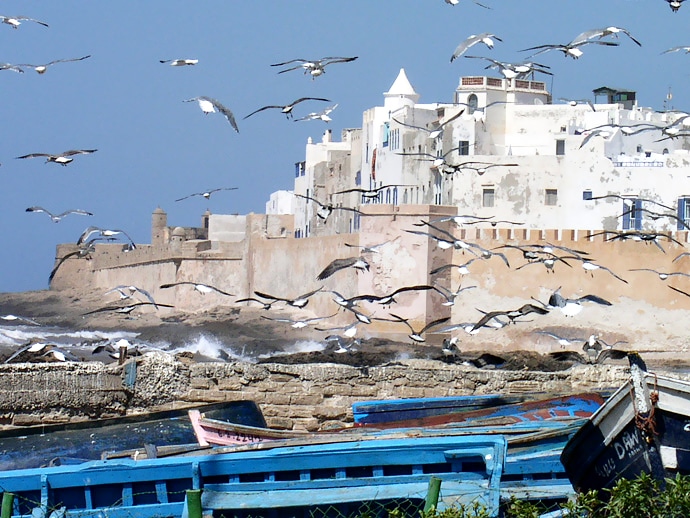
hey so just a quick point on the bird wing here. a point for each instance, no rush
(87, 234)
(62, 260)
(595, 298)
(39, 209)
(72, 152)
(74, 211)
(189, 196)
(331, 60)
(680, 291)
(27, 19)
(460, 49)
(335, 265)
(262, 109)
(224, 110)
(486, 318)
(311, 199)
(297, 60)
(434, 323)
(301, 99)
(219, 290)
(34, 155)
(67, 60)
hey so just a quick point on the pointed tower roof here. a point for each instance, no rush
(401, 92)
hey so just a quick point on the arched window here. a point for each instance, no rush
(472, 103)
(395, 195)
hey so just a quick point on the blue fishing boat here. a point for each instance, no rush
(387, 410)
(336, 478)
(38, 446)
(644, 427)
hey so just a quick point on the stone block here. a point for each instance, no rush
(26, 420)
(280, 423)
(277, 398)
(306, 399)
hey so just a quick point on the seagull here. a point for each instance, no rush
(102, 233)
(322, 115)
(371, 193)
(179, 62)
(61, 158)
(592, 267)
(685, 48)
(325, 209)
(514, 70)
(571, 307)
(571, 49)
(512, 315)
(201, 288)
(57, 217)
(265, 305)
(629, 201)
(417, 335)
(450, 296)
(436, 133)
(359, 263)
(462, 268)
(314, 67)
(298, 302)
(16, 21)
(210, 105)
(485, 38)
(126, 309)
(16, 318)
(456, 2)
(299, 323)
(207, 194)
(287, 109)
(348, 331)
(370, 249)
(389, 298)
(127, 292)
(41, 69)
(662, 275)
(575, 102)
(549, 262)
(675, 4)
(562, 340)
(588, 36)
(84, 251)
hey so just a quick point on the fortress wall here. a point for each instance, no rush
(291, 396)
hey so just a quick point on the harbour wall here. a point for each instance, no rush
(300, 397)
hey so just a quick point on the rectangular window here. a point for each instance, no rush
(560, 147)
(684, 213)
(488, 197)
(464, 147)
(551, 197)
(587, 195)
(632, 214)
(386, 131)
(297, 169)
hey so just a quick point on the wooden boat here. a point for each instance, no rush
(387, 410)
(337, 478)
(643, 427)
(37, 446)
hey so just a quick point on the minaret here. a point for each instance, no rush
(400, 93)
(159, 227)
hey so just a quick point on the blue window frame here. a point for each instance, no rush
(386, 132)
(684, 213)
(632, 214)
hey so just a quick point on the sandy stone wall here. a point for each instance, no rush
(291, 396)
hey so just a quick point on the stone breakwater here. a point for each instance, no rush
(307, 396)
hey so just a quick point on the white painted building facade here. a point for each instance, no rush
(530, 166)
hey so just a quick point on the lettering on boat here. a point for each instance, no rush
(627, 446)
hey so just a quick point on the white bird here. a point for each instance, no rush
(485, 38)
(685, 48)
(63, 158)
(450, 296)
(456, 2)
(326, 209)
(588, 36)
(435, 133)
(41, 69)
(16, 21)
(514, 70)
(298, 323)
(562, 340)
(207, 194)
(359, 263)
(416, 336)
(201, 288)
(13, 68)
(571, 307)
(313, 67)
(591, 267)
(287, 108)
(571, 49)
(210, 105)
(105, 233)
(57, 217)
(462, 268)
(128, 291)
(675, 4)
(298, 302)
(662, 275)
(322, 115)
(15, 318)
(179, 62)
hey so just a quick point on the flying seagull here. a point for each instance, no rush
(63, 158)
(13, 68)
(105, 233)
(298, 302)
(298, 323)
(571, 307)
(16, 21)
(512, 315)
(201, 288)
(675, 4)
(485, 38)
(562, 340)
(436, 133)
(287, 109)
(322, 115)
(358, 263)
(210, 105)
(207, 194)
(371, 193)
(515, 70)
(126, 309)
(326, 209)
(84, 251)
(685, 48)
(662, 275)
(456, 2)
(588, 36)
(572, 49)
(16, 318)
(128, 291)
(417, 335)
(179, 62)
(629, 201)
(591, 267)
(313, 67)
(41, 69)
(57, 217)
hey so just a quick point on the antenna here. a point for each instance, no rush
(667, 101)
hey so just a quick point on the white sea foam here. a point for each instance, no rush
(303, 346)
(204, 345)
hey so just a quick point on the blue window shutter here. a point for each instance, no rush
(638, 214)
(681, 213)
(626, 216)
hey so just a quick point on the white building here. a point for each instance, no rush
(506, 152)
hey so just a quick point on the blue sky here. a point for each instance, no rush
(153, 148)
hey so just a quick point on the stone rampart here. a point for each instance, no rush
(291, 396)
